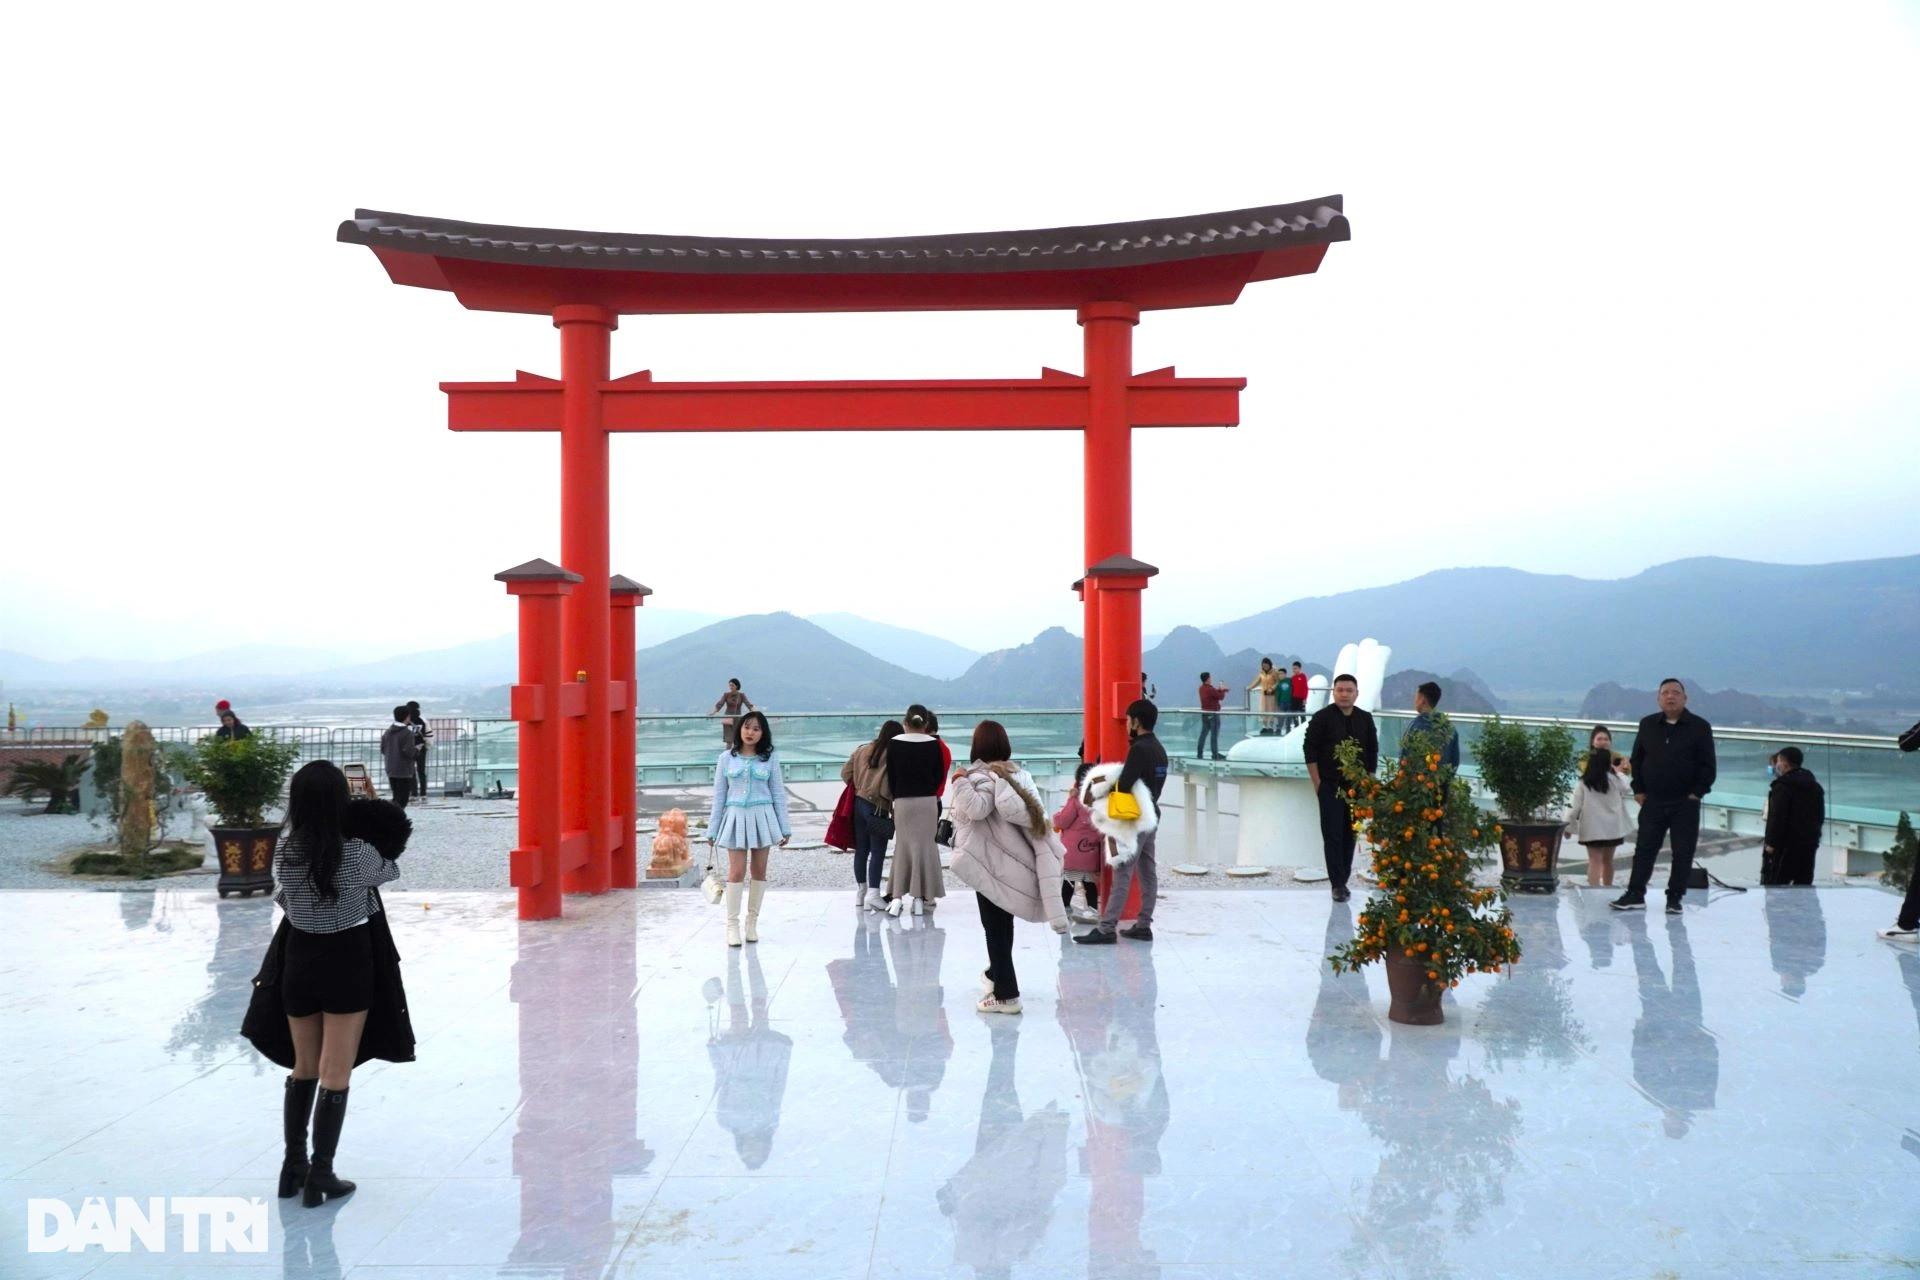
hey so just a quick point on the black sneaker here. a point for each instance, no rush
(1138, 932)
(1096, 938)
(1342, 894)
(1674, 908)
(1626, 902)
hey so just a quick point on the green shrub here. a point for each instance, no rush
(1528, 770)
(242, 777)
(58, 780)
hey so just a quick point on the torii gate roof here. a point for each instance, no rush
(1195, 261)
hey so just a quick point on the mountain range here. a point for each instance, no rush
(1767, 628)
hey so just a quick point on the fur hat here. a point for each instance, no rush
(381, 823)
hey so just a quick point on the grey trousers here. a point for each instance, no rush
(1144, 866)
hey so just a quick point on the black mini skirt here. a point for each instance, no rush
(328, 972)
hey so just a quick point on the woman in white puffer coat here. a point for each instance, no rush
(1005, 850)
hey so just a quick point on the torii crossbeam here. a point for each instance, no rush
(584, 280)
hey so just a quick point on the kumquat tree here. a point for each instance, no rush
(1427, 915)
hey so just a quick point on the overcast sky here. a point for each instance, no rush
(1626, 284)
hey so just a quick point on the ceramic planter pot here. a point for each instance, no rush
(1528, 852)
(246, 859)
(1416, 1001)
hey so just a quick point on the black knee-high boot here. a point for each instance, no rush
(329, 1113)
(294, 1112)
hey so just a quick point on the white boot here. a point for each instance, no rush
(899, 904)
(755, 891)
(732, 901)
(876, 900)
(920, 906)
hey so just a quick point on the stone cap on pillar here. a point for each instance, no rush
(538, 577)
(1079, 585)
(626, 591)
(1122, 567)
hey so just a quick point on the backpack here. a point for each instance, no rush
(1910, 740)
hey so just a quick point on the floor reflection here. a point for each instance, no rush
(579, 1077)
(210, 1028)
(896, 1022)
(1001, 1200)
(1599, 926)
(1530, 1013)
(749, 1060)
(1796, 935)
(1676, 1060)
(306, 1241)
(1446, 1146)
(1107, 1006)
(1343, 1038)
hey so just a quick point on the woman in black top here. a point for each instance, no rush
(326, 885)
(916, 774)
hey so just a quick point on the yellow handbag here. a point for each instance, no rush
(1122, 807)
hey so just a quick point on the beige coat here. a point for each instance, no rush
(1003, 842)
(1598, 819)
(869, 781)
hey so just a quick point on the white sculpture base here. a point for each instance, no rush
(1280, 824)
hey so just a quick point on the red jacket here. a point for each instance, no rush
(1300, 689)
(1210, 697)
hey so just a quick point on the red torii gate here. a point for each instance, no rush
(586, 280)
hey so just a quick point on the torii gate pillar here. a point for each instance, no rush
(587, 618)
(1107, 442)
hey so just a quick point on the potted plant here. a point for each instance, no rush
(1528, 772)
(242, 777)
(1426, 921)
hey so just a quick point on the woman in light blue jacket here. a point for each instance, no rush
(749, 817)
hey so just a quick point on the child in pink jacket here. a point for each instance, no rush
(1084, 847)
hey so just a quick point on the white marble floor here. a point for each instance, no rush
(1729, 1094)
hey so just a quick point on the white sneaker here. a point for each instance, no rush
(1897, 934)
(893, 908)
(990, 1005)
(1084, 914)
(986, 984)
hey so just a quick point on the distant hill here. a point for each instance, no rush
(783, 662)
(915, 650)
(249, 662)
(494, 660)
(1044, 672)
(1456, 695)
(1729, 622)
(1176, 662)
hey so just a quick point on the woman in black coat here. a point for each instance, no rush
(331, 965)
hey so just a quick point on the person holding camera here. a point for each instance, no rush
(326, 882)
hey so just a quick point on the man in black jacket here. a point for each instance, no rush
(1796, 820)
(1673, 766)
(1146, 762)
(1331, 725)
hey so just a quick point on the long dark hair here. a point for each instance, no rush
(316, 804)
(1599, 769)
(878, 751)
(765, 749)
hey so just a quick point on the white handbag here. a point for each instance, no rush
(711, 887)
